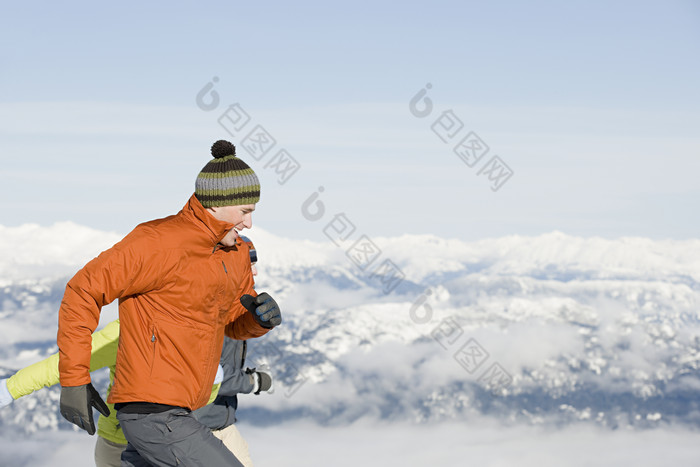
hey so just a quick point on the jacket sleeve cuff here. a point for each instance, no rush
(5, 396)
(245, 327)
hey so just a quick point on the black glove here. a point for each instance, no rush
(264, 309)
(77, 403)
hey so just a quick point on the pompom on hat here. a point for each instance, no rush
(226, 180)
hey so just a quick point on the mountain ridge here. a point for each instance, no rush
(569, 328)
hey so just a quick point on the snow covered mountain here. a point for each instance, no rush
(549, 329)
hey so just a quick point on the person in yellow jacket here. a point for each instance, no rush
(219, 415)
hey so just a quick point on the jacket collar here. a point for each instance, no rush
(198, 214)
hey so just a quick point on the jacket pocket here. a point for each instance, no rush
(181, 361)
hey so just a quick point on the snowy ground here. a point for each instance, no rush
(372, 444)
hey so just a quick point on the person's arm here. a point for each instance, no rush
(244, 326)
(115, 273)
(235, 379)
(125, 269)
(45, 372)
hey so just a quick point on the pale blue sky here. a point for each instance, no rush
(594, 106)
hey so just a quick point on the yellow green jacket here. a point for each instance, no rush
(104, 354)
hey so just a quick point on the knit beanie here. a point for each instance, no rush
(226, 180)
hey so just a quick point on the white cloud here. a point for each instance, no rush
(478, 442)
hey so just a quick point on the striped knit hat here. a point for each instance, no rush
(226, 180)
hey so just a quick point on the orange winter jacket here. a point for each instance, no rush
(178, 292)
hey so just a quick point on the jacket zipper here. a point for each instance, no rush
(211, 351)
(153, 342)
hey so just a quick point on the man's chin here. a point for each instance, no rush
(230, 239)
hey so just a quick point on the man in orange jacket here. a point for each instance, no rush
(183, 282)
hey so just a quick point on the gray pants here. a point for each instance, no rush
(171, 438)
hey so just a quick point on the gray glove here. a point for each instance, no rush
(262, 380)
(264, 309)
(77, 403)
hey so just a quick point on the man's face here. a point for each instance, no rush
(240, 216)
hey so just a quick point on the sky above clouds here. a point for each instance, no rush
(592, 106)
